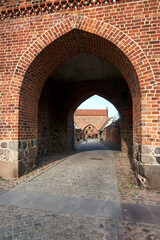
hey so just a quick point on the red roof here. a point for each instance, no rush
(91, 112)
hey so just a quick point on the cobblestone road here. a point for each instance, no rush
(76, 199)
(25, 224)
(87, 175)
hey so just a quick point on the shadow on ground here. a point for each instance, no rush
(94, 144)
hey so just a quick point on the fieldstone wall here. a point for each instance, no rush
(9, 150)
(22, 152)
(147, 165)
(27, 154)
(147, 154)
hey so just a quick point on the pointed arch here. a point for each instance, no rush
(111, 33)
(88, 126)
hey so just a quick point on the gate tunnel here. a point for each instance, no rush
(64, 74)
(71, 83)
(68, 71)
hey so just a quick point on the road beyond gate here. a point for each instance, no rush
(75, 199)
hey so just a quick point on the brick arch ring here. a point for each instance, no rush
(111, 33)
(88, 126)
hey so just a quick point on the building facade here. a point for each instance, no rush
(110, 48)
(90, 121)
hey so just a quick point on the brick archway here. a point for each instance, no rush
(94, 134)
(127, 45)
(35, 66)
(131, 61)
(124, 110)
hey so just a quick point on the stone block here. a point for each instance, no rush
(24, 145)
(19, 145)
(26, 154)
(14, 156)
(20, 155)
(31, 162)
(157, 150)
(1, 151)
(147, 159)
(33, 153)
(151, 173)
(145, 149)
(29, 144)
(158, 159)
(7, 153)
(21, 169)
(13, 145)
(4, 144)
(32, 143)
(8, 170)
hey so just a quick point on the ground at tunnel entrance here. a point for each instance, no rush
(140, 207)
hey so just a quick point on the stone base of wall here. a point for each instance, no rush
(17, 157)
(8, 170)
(147, 162)
(152, 174)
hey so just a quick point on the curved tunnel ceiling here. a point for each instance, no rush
(85, 67)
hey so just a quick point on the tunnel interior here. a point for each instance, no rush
(80, 77)
(64, 74)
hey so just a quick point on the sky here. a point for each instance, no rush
(97, 102)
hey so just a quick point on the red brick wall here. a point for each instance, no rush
(139, 44)
(112, 133)
(32, 46)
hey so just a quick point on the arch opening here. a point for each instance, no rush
(68, 86)
(96, 118)
(65, 78)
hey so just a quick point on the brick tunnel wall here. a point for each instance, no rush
(52, 117)
(26, 30)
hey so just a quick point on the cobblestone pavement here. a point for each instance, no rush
(29, 224)
(19, 222)
(131, 194)
(44, 162)
(87, 175)
(77, 198)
